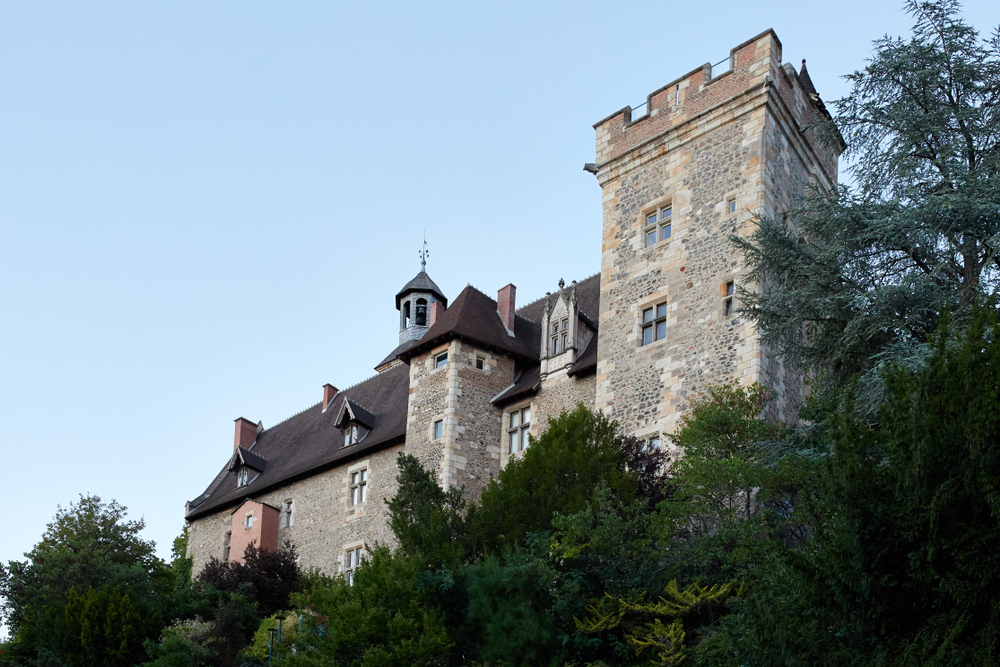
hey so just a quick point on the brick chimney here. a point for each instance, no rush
(246, 433)
(329, 392)
(437, 310)
(505, 307)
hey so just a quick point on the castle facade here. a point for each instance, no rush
(473, 378)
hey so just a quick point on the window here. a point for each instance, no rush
(286, 513)
(406, 315)
(421, 318)
(440, 360)
(731, 205)
(520, 424)
(728, 290)
(359, 487)
(654, 323)
(353, 434)
(651, 444)
(352, 561)
(657, 225)
(560, 335)
(438, 429)
(248, 522)
(480, 363)
(227, 544)
(242, 477)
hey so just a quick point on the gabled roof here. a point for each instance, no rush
(244, 457)
(351, 411)
(310, 441)
(474, 317)
(421, 283)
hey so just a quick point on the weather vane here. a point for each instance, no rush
(424, 254)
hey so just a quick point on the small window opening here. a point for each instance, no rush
(440, 360)
(657, 226)
(480, 363)
(227, 544)
(728, 292)
(677, 95)
(352, 561)
(406, 315)
(248, 522)
(286, 514)
(421, 318)
(517, 433)
(654, 323)
(359, 487)
(731, 205)
(438, 429)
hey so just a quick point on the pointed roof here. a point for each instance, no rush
(807, 84)
(245, 457)
(421, 283)
(352, 411)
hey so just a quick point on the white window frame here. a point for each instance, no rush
(287, 512)
(438, 429)
(440, 360)
(353, 558)
(518, 425)
(358, 488)
(248, 521)
(654, 320)
(658, 224)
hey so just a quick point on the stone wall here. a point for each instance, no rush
(703, 146)
(458, 394)
(323, 524)
(558, 393)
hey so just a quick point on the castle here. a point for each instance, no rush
(473, 377)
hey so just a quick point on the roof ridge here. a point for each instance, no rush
(480, 291)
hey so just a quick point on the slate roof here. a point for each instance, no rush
(355, 411)
(310, 442)
(473, 316)
(526, 382)
(587, 360)
(398, 351)
(247, 458)
(421, 283)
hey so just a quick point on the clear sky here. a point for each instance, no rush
(207, 208)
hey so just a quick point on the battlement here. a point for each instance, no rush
(698, 101)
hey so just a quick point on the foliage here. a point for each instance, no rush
(906, 566)
(266, 578)
(264, 640)
(859, 277)
(716, 512)
(665, 626)
(217, 642)
(560, 472)
(427, 520)
(382, 620)
(92, 584)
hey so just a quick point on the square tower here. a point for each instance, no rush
(709, 155)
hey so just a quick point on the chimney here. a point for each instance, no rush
(329, 392)
(437, 310)
(246, 433)
(505, 307)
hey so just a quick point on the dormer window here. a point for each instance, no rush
(560, 336)
(242, 477)
(353, 434)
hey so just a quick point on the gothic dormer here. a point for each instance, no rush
(565, 333)
(414, 303)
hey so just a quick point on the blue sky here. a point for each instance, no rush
(207, 208)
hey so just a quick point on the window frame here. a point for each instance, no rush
(227, 546)
(656, 325)
(480, 363)
(728, 291)
(438, 432)
(441, 360)
(357, 493)
(248, 521)
(517, 432)
(353, 558)
(656, 222)
(287, 513)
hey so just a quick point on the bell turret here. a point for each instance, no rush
(414, 302)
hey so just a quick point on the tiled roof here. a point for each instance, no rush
(526, 382)
(310, 441)
(247, 458)
(421, 283)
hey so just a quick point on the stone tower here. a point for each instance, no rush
(712, 150)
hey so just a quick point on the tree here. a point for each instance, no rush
(905, 568)
(91, 579)
(561, 472)
(859, 278)
(265, 578)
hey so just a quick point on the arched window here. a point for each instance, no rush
(421, 320)
(406, 315)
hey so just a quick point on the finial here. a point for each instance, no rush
(562, 283)
(424, 254)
